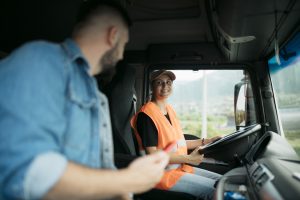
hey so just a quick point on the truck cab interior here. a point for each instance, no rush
(237, 65)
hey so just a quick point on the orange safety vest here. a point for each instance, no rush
(166, 134)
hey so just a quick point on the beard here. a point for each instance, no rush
(107, 63)
(109, 60)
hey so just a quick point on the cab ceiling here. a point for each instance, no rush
(168, 21)
(162, 22)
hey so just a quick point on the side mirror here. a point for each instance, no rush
(240, 105)
(244, 107)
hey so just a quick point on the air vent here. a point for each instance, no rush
(257, 172)
(261, 175)
(262, 180)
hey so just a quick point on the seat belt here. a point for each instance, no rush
(134, 100)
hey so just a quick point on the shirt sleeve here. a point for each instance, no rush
(32, 122)
(147, 130)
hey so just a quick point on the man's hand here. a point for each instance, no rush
(195, 158)
(147, 171)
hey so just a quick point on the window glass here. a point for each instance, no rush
(285, 76)
(204, 101)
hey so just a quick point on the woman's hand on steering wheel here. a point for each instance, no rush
(210, 140)
(195, 158)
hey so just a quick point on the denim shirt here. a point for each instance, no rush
(51, 112)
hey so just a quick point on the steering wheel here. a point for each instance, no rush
(230, 138)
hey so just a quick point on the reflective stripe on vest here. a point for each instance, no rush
(166, 133)
(181, 143)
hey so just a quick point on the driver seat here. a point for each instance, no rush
(121, 95)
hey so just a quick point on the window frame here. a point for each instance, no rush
(260, 116)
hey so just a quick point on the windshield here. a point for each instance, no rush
(285, 76)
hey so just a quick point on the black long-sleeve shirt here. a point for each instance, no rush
(147, 129)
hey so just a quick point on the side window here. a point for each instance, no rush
(212, 102)
(285, 75)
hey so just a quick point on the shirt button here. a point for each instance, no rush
(104, 125)
(102, 103)
(106, 150)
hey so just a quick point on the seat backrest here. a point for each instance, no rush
(121, 95)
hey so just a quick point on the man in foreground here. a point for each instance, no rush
(55, 139)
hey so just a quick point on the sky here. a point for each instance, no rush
(189, 75)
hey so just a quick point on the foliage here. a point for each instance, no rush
(293, 137)
(192, 124)
(288, 100)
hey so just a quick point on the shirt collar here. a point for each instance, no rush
(74, 51)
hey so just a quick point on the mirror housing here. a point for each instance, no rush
(244, 108)
(239, 104)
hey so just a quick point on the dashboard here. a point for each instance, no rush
(271, 171)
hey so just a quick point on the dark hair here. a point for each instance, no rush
(89, 7)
